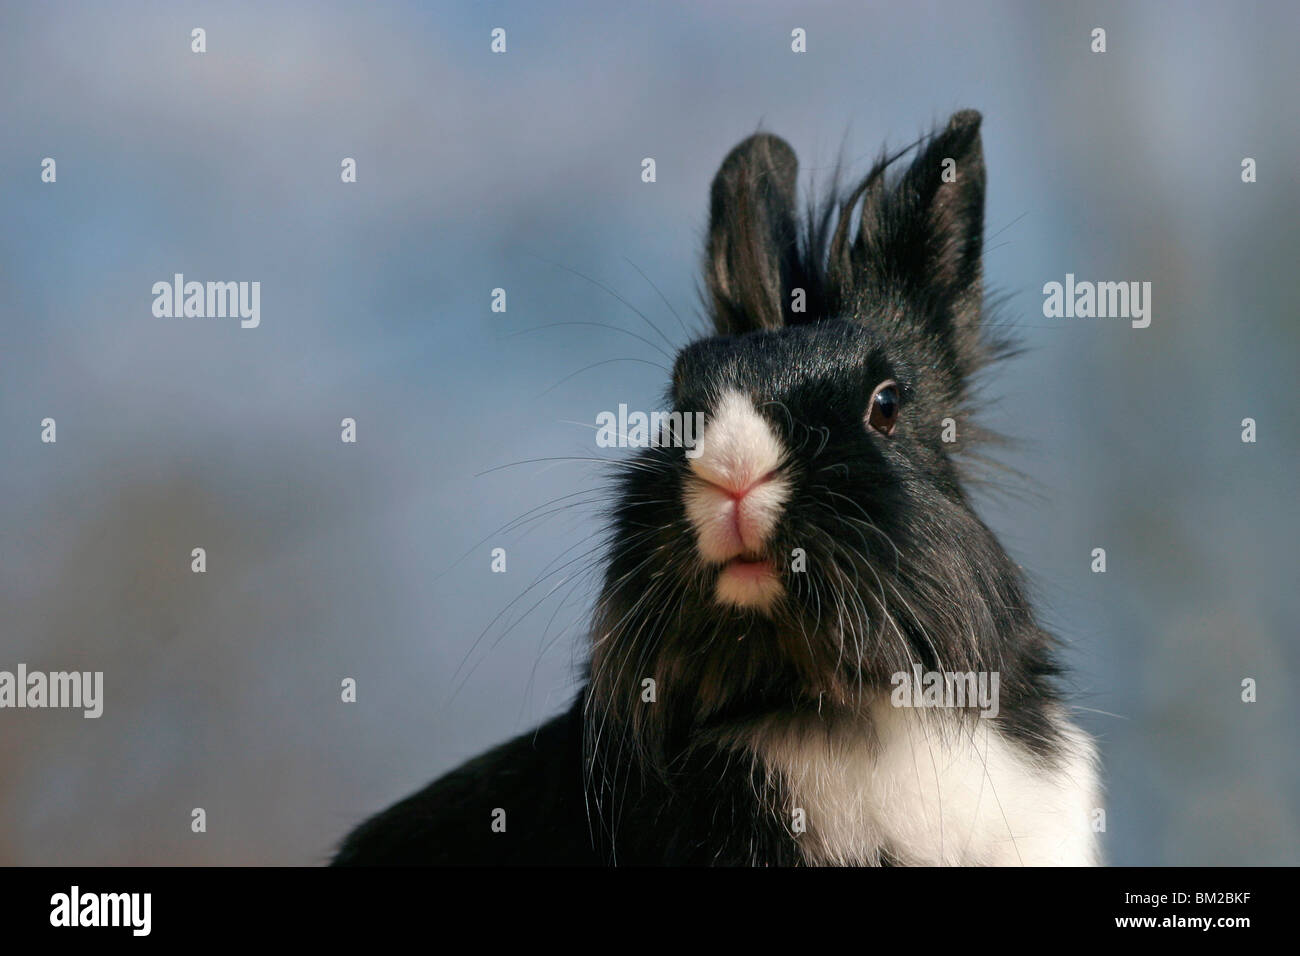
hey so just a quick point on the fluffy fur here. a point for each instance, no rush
(759, 597)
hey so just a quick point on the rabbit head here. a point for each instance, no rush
(817, 537)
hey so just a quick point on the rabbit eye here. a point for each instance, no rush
(882, 414)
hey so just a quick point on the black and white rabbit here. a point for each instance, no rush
(763, 592)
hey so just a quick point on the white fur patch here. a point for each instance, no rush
(930, 789)
(749, 587)
(738, 447)
(734, 499)
(736, 456)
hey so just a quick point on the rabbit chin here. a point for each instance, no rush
(749, 584)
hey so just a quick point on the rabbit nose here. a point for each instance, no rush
(738, 493)
(738, 448)
(734, 486)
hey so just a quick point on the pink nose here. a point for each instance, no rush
(735, 489)
(744, 524)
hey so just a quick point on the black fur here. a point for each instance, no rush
(900, 569)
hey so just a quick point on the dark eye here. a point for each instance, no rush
(882, 414)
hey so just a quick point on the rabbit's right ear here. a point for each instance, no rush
(753, 237)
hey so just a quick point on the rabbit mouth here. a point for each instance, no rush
(749, 580)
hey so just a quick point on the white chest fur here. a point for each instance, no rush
(929, 789)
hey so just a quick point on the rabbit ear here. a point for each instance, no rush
(924, 237)
(753, 237)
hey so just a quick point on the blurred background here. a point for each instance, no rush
(522, 171)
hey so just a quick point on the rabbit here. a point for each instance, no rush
(774, 600)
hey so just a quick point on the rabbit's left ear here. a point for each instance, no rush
(752, 253)
(924, 237)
